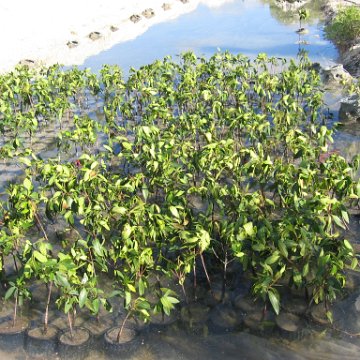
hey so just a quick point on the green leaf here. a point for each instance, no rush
(104, 224)
(354, 263)
(272, 258)
(126, 232)
(127, 299)
(348, 245)
(27, 184)
(62, 280)
(204, 242)
(173, 300)
(119, 210)
(9, 292)
(174, 211)
(345, 216)
(274, 299)
(283, 249)
(82, 297)
(25, 161)
(338, 222)
(249, 229)
(329, 316)
(98, 248)
(40, 257)
(68, 306)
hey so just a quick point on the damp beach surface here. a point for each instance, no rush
(71, 34)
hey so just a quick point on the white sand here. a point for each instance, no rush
(39, 30)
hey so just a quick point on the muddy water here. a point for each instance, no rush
(223, 331)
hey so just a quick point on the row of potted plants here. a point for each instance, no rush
(183, 169)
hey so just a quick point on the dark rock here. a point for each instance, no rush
(291, 326)
(95, 35)
(260, 323)
(225, 318)
(350, 108)
(72, 44)
(135, 18)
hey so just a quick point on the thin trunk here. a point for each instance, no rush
(224, 277)
(122, 327)
(46, 318)
(70, 326)
(38, 221)
(205, 270)
(195, 280)
(15, 308)
(15, 264)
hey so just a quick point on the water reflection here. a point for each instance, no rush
(245, 26)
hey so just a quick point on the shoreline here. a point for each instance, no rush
(76, 30)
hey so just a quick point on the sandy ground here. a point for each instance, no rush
(51, 32)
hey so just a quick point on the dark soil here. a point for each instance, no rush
(80, 336)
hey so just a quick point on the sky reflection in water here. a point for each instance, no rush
(240, 27)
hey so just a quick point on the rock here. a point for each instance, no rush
(148, 13)
(72, 44)
(295, 305)
(184, 1)
(135, 18)
(194, 317)
(28, 62)
(113, 28)
(290, 325)
(350, 108)
(95, 35)
(318, 314)
(224, 317)
(357, 304)
(247, 304)
(260, 323)
(302, 31)
(351, 60)
(194, 313)
(334, 75)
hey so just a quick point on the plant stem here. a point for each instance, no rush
(46, 318)
(15, 308)
(122, 327)
(70, 326)
(205, 270)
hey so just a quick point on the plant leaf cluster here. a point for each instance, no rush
(182, 167)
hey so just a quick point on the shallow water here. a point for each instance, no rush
(241, 26)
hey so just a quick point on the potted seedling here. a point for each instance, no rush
(43, 339)
(122, 340)
(74, 341)
(12, 331)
